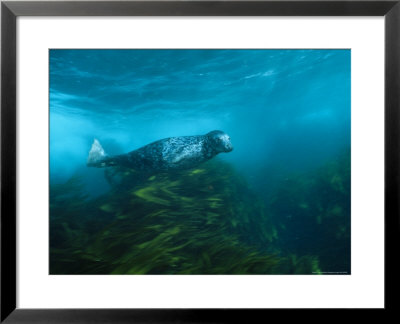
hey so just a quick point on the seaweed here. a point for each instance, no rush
(203, 221)
(199, 221)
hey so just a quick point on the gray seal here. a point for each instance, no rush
(173, 153)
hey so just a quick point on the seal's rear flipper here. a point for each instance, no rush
(96, 156)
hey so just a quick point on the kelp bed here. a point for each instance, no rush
(201, 221)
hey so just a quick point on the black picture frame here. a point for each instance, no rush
(10, 10)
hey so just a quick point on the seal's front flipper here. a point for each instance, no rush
(97, 156)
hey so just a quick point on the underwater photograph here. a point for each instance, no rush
(200, 161)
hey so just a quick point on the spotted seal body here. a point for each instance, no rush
(174, 153)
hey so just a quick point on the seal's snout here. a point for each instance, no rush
(228, 148)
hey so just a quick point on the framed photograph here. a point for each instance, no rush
(197, 160)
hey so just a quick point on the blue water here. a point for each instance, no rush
(287, 111)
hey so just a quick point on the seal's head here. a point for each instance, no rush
(221, 141)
